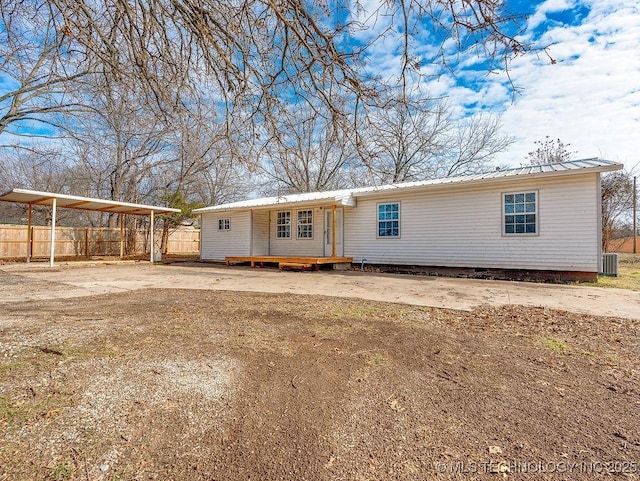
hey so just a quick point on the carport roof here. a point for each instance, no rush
(35, 197)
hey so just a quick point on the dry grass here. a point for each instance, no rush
(200, 385)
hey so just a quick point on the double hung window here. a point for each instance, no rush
(283, 225)
(389, 219)
(305, 224)
(520, 213)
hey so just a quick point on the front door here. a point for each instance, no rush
(328, 232)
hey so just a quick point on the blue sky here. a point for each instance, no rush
(590, 97)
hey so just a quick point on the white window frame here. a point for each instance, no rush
(536, 212)
(285, 224)
(378, 220)
(305, 226)
(224, 224)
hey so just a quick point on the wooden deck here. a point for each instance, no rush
(288, 262)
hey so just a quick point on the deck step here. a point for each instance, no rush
(295, 266)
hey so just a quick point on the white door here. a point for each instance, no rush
(328, 234)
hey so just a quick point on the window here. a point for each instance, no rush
(283, 225)
(305, 224)
(520, 213)
(389, 220)
(224, 224)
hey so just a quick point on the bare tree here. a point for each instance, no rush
(117, 144)
(617, 202)
(414, 140)
(225, 181)
(37, 66)
(550, 151)
(205, 162)
(475, 142)
(199, 142)
(44, 168)
(141, 66)
(307, 151)
(259, 52)
(403, 138)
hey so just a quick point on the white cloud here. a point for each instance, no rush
(549, 6)
(367, 14)
(591, 97)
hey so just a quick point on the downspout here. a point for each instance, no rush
(200, 237)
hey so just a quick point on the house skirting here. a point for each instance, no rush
(487, 273)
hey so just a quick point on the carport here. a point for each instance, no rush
(54, 200)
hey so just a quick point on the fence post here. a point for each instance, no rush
(31, 242)
(86, 242)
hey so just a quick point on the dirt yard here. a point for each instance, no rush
(186, 384)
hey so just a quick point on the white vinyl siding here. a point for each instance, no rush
(462, 227)
(260, 241)
(216, 244)
(294, 246)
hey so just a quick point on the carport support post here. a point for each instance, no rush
(151, 238)
(121, 236)
(29, 233)
(333, 230)
(52, 245)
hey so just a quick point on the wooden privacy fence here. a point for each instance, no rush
(90, 241)
(624, 245)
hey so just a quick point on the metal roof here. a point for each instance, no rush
(347, 196)
(85, 203)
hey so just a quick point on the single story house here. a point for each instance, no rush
(542, 220)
